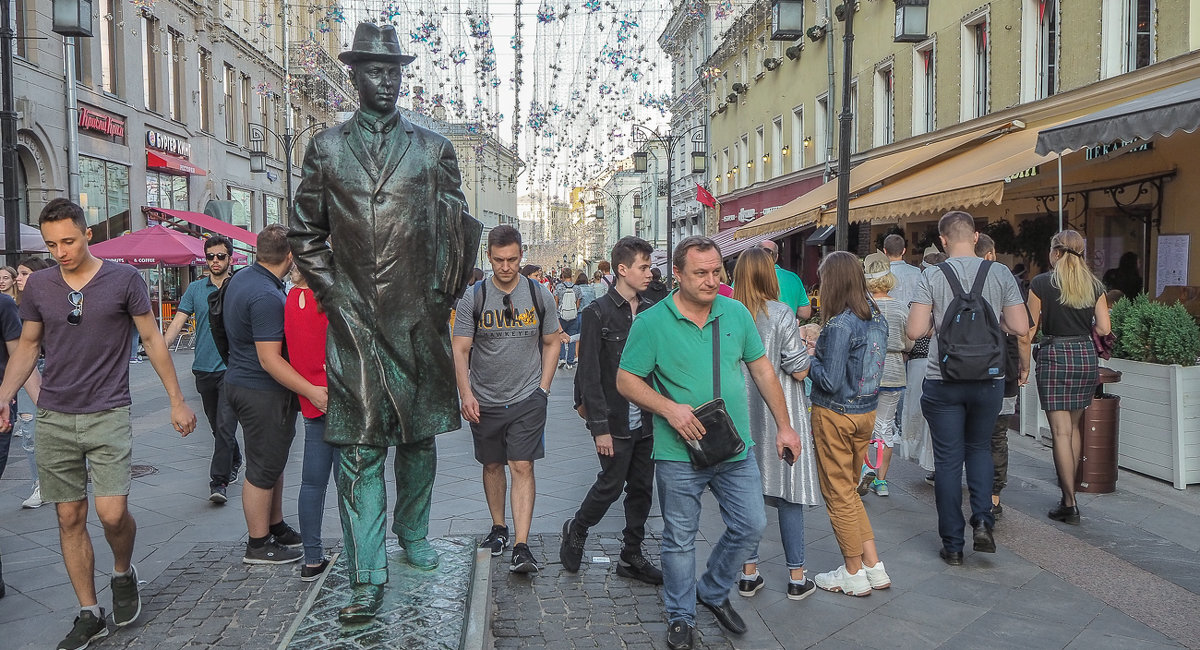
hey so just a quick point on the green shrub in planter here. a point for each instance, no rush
(1155, 333)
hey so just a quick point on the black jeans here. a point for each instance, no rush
(223, 422)
(1000, 454)
(630, 467)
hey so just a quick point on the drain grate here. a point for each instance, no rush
(138, 471)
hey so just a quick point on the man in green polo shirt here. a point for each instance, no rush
(671, 345)
(791, 287)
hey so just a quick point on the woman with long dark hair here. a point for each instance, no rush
(1068, 303)
(846, 370)
(788, 486)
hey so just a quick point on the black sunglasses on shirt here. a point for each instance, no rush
(76, 300)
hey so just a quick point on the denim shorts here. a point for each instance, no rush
(67, 444)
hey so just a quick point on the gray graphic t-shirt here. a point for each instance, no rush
(506, 357)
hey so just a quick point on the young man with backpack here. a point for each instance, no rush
(969, 303)
(569, 299)
(505, 345)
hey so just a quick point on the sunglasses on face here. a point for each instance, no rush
(76, 300)
(216, 256)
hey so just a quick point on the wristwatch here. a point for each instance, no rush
(545, 390)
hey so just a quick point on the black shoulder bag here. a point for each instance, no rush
(721, 440)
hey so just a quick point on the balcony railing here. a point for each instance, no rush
(321, 77)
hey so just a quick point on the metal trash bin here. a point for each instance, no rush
(1097, 472)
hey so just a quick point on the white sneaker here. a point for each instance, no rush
(35, 499)
(851, 584)
(877, 576)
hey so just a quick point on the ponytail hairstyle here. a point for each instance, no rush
(1078, 287)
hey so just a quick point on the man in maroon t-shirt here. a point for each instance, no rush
(84, 312)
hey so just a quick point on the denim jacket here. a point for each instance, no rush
(848, 362)
(604, 329)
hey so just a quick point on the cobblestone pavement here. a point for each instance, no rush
(1129, 576)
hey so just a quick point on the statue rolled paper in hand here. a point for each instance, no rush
(387, 194)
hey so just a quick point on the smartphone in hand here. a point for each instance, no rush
(788, 456)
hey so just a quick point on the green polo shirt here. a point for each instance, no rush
(791, 289)
(665, 344)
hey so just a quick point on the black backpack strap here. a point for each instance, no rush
(480, 300)
(716, 369)
(952, 278)
(980, 278)
(537, 299)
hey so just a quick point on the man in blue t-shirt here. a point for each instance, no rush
(261, 384)
(209, 368)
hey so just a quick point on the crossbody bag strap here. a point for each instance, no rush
(716, 371)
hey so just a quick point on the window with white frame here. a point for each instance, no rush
(739, 169)
(1128, 38)
(796, 152)
(924, 111)
(776, 149)
(743, 157)
(975, 66)
(854, 113)
(820, 143)
(759, 158)
(150, 59)
(1139, 34)
(726, 170)
(1040, 29)
(885, 130)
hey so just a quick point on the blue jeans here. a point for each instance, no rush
(791, 530)
(737, 486)
(961, 416)
(570, 328)
(314, 482)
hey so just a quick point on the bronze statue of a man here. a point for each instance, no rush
(381, 231)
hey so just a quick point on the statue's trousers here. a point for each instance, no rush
(362, 503)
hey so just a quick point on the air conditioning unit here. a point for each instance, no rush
(740, 88)
(793, 52)
(731, 98)
(721, 107)
(771, 64)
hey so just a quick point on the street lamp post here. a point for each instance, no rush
(258, 156)
(618, 199)
(846, 124)
(642, 134)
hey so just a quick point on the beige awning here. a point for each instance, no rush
(806, 208)
(975, 177)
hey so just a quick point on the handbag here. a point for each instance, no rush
(721, 440)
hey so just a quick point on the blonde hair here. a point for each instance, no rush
(755, 281)
(1078, 287)
(883, 283)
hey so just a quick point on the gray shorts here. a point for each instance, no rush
(268, 420)
(67, 444)
(515, 432)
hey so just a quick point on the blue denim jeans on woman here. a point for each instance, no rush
(737, 485)
(961, 416)
(791, 531)
(571, 328)
(314, 483)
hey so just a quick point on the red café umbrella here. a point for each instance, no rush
(156, 247)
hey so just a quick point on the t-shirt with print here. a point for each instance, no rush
(999, 290)
(664, 343)
(87, 365)
(506, 357)
(195, 302)
(253, 312)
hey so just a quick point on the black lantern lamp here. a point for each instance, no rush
(787, 20)
(699, 162)
(912, 21)
(637, 207)
(258, 162)
(641, 162)
(73, 17)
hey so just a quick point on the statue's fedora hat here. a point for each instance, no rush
(375, 43)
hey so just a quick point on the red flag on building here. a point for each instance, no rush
(704, 196)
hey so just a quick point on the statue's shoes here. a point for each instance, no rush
(421, 554)
(364, 604)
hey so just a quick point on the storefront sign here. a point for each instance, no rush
(94, 121)
(168, 143)
(1135, 145)
(749, 207)
(1028, 173)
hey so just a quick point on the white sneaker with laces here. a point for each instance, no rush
(840, 580)
(35, 499)
(877, 576)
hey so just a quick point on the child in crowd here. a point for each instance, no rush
(880, 281)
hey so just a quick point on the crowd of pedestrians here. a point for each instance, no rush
(922, 362)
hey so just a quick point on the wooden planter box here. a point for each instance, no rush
(1160, 420)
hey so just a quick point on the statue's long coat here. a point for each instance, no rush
(387, 252)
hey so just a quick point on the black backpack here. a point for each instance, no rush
(216, 318)
(480, 298)
(970, 342)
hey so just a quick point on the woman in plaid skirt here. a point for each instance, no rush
(1068, 303)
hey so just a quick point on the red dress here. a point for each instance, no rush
(304, 329)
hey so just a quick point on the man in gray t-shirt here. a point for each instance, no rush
(961, 413)
(505, 341)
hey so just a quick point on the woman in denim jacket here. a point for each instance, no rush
(846, 369)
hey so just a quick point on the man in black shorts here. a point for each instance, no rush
(84, 311)
(262, 384)
(505, 351)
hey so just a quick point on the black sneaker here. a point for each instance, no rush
(311, 573)
(679, 635)
(496, 541)
(635, 565)
(126, 603)
(87, 628)
(570, 551)
(748, 587)
(522, 560)
(997, 511)
(237, 468)
(802, 590)
(289, 538)
(930, 478)
(271, 553)
(217, 495)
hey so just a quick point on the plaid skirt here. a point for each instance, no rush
(1067, 373)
